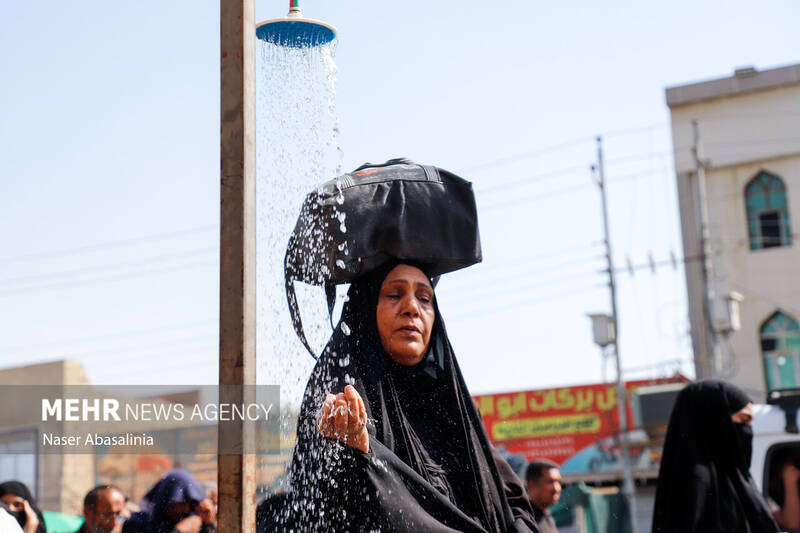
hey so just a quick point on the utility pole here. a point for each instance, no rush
(710, 361)
(237, 294)
(628, 487)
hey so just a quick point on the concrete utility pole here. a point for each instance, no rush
(710, 358)
(237, 305)
(628, 486)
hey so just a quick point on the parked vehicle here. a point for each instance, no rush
(776, 441)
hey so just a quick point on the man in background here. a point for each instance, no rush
(103, 510)
(544, 487)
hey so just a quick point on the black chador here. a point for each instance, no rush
(430, 466)
(704, 485)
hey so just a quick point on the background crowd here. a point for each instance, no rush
(176, 503)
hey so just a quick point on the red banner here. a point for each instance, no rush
(557, 423)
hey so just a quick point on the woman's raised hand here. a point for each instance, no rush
(344, 418)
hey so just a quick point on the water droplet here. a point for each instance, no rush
(345, 328)
(342, 246)
(340, 264)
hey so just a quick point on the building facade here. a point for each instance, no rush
(741, 136)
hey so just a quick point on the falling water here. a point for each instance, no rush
(297, 149)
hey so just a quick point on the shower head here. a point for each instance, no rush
(295, 31)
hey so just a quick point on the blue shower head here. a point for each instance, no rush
(295, 31)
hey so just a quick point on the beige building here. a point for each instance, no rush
(748, 128)
(61, 480)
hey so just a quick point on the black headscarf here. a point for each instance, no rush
(18, 488)
(704, 483)
(430, 466)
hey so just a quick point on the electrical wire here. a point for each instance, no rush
(125, 264)
(117, 335)
(481, 312)
(480, 290)
(105, 279)
(106, 245)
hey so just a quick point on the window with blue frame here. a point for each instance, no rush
(767, 212)
(780, 347)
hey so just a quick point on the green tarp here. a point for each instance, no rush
(61, 523)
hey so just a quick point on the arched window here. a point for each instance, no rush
(780, 346)
(767, 212)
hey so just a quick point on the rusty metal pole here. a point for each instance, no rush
(237, 306)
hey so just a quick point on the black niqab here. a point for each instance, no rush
(704, 484)
(430, 466)
(18, 488)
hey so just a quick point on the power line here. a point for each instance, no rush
(567, 190)
(528, 199)
(117, 335)
(106, 245)
(105, 279)
(533, 179)
(481, 290)
(479, 281)
(111, 353)
(558, 147)
(525, 155)
(481, 312)
(124, 264)
(564, 171)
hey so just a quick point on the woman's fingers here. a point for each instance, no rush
(353, 399)
(340, 417)
(324, 422)
(362, 412)
(344, 417)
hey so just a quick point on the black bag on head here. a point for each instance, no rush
(354, 223)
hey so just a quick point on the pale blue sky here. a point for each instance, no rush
(110, 137)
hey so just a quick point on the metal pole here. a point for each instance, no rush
(628, 486)
(710, 354)
(237, 306)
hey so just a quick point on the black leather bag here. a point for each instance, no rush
(352, 224)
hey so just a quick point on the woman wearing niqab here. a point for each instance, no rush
(426, 463)
(14, 490)
(704, 484)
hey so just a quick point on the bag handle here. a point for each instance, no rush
(395, 161)
(294, 310)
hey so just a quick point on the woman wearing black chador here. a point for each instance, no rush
(704, 485)
(388, 437)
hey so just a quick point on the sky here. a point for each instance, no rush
(109, 158)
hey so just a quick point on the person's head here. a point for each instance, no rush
(405, 314)
(711, 421)
(14, 494)
(174, 497)
(14, 502)
(544, 483)
(102, 508)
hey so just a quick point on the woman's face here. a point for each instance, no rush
(405, 314)
(14, 502)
